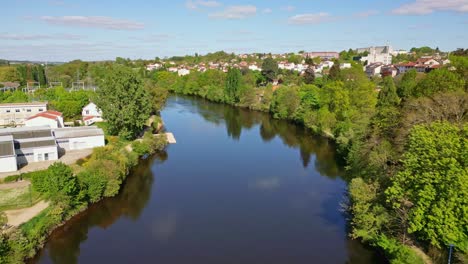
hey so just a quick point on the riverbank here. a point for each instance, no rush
(70, 190)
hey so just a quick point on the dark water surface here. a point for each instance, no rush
(238, 187)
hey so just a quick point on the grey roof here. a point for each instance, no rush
(27, 132)
(25, 104)
(6, 146)
(75, 132)
(44, 142)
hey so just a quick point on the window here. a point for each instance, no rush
(40, 109)
(28, 110)
(87, 112)
(17, 110)
(8, 111)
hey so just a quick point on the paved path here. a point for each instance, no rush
(69, 158)
(12, 185)
(19, 216)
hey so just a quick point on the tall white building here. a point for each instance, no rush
(382, 54)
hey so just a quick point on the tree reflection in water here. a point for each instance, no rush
(294, 136)
(64, 243)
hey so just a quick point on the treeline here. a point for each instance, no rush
(405, 144)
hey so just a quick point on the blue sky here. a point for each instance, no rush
(62, 30)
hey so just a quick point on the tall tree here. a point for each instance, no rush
(233, 83)
(269, 69)
(388, 95)
(124, 101)
(407, 84)
(433, 183)
(335, 71)
(309, 76)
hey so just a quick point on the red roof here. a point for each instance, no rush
(88, 118)
(408, 64)
(47, 114)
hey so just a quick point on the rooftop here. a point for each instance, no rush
(70, 132)
(24, 104)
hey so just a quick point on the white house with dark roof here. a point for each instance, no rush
(52, 119)
(74, 138)
(15, 114)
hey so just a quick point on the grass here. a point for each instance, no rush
(17, 198)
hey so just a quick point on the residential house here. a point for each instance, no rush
(52, 119)
(374, 69)
(155, 66)
(389, 70)
(324, 55)
(91, 114)
(4, 86)
(404, 67)
(254, 67)
(183, 72)
(15, 114)
(345, 65)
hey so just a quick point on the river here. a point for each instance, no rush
(238, 187)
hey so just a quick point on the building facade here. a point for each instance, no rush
(15, 114)
(75, 138)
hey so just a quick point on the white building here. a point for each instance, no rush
(254, 67)
(183, 72)
(374, 69)
(91, 114)
(31, 144)
(382, 54)
(155, 66)
(7, 154)
(15, 114)
(345, 65)
(52, 119)
(74, 138)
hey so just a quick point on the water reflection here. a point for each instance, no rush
(64, 247)
(235, 119)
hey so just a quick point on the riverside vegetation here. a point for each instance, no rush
(70, 189)
(404, 142)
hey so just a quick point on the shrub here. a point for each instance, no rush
(398, 253)
(11, 178)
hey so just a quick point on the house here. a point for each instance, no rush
(50, 118)
(254, 67)
(9, 86)
(7, 154)
(15, 114)
(382, 54)
(428, 61)
(31, 144)
(345, 65)
(404, 67)
(183, 72)
(91, 114)
(374, 69)
(74, 138)
(155, 66)
(389, 70)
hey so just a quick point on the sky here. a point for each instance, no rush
(64, 30)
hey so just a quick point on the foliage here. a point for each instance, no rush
(269, 69)
(398, 253)
(309, 76)
(285, 102)
(124, 102)
(434, 179)
(233, 83)
(441, 80)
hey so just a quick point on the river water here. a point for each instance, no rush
(238, 187)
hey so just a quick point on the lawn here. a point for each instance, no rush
(16, 198)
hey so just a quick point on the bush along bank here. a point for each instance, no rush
(70, 189)
(404, 140)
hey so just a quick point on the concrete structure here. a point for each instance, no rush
(74, 138)
(382, 54)
(31, 144)
(52, 119)
(325, 55)
(91, 114)
(15, 114)
(7, 154)
(374, 69)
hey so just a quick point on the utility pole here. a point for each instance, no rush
(450, 253)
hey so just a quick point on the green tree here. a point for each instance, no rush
(309, 76)
(407, 84)
(434, 182)
(124, 101)
(441, 80)
(269, 69)
(388, 95)
(232, 87)
(335, 71)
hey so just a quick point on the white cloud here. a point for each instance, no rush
(309, 18)
(39, 36)
(94, 22)
(423, 7)
(267, 11)
(236, 12)
(195, 4)
(289, 8)
(367, 13)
